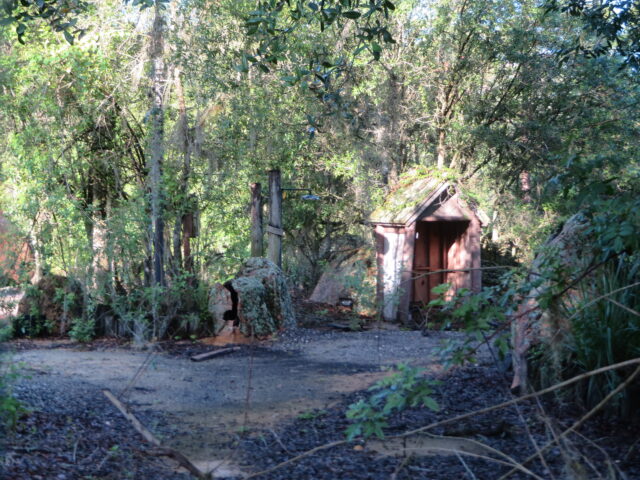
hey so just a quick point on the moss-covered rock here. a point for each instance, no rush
(257, 299)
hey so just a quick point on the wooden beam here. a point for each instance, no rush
(275, 231)
(275, 217)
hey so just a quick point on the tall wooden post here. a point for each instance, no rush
(274, 229)
(257, 249)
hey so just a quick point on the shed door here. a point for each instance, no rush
(437, 247)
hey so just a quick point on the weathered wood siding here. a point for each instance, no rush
(391, 255)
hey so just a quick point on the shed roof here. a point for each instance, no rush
(407, 202)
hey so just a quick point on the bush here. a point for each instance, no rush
(405, 388)
(10, 407)
(82, 330)
(603, 329)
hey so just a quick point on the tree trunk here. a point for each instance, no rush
(38, 250)
(181, 237)
(257, 249)
(525, 186)
(154, 171)
(441, 148)
(156, 145)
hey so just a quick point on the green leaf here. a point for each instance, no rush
(431, 404)
(375, 50)
(353, 431)
(68, 37)
(351, 14)
(7, 21)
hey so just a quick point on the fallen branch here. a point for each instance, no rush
(151, 438)
(181, 459)
(308, 453)
(207, 355)
(401, 465)
(137, 424)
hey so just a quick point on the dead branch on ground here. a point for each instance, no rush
(151, 438)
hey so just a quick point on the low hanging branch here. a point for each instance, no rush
(151, 438)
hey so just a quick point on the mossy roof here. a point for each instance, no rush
(404, 204)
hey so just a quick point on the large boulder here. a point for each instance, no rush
(350, 278)
(257, 300)
(49, 306)
(10, 298)
(535, 321)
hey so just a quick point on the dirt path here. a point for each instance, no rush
(204, 405)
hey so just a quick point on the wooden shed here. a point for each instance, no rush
(423, 228)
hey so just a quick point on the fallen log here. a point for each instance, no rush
(151, 438)
(207, 355)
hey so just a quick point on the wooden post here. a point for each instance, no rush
(257, 249)
(274, 229)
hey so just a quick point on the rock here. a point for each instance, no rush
(220, 303)
(533, 325)
(257, 299)
(10, 298)
(349, 278)
(55, 300)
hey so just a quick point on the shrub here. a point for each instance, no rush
(10, 407)
(82, 330)
(603, 328)
(407, 387)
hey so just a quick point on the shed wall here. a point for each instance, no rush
(390, 259)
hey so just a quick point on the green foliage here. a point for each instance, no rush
(471, 81)
(6, 332)
(614, 26)
(60, 15)
(82, 330)
(30, 326)
(10, 407)
(601, 326)
(312, 414)
(405, 388)
(482, 317)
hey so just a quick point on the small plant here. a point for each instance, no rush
(10, 408)
(82, 330)
(481, 317)
(312, 414)
(407, 387)
(6, 332)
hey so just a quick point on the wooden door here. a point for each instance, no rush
(433, 242)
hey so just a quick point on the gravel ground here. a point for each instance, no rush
(72, 432)
(246, 406)
(511, 431)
